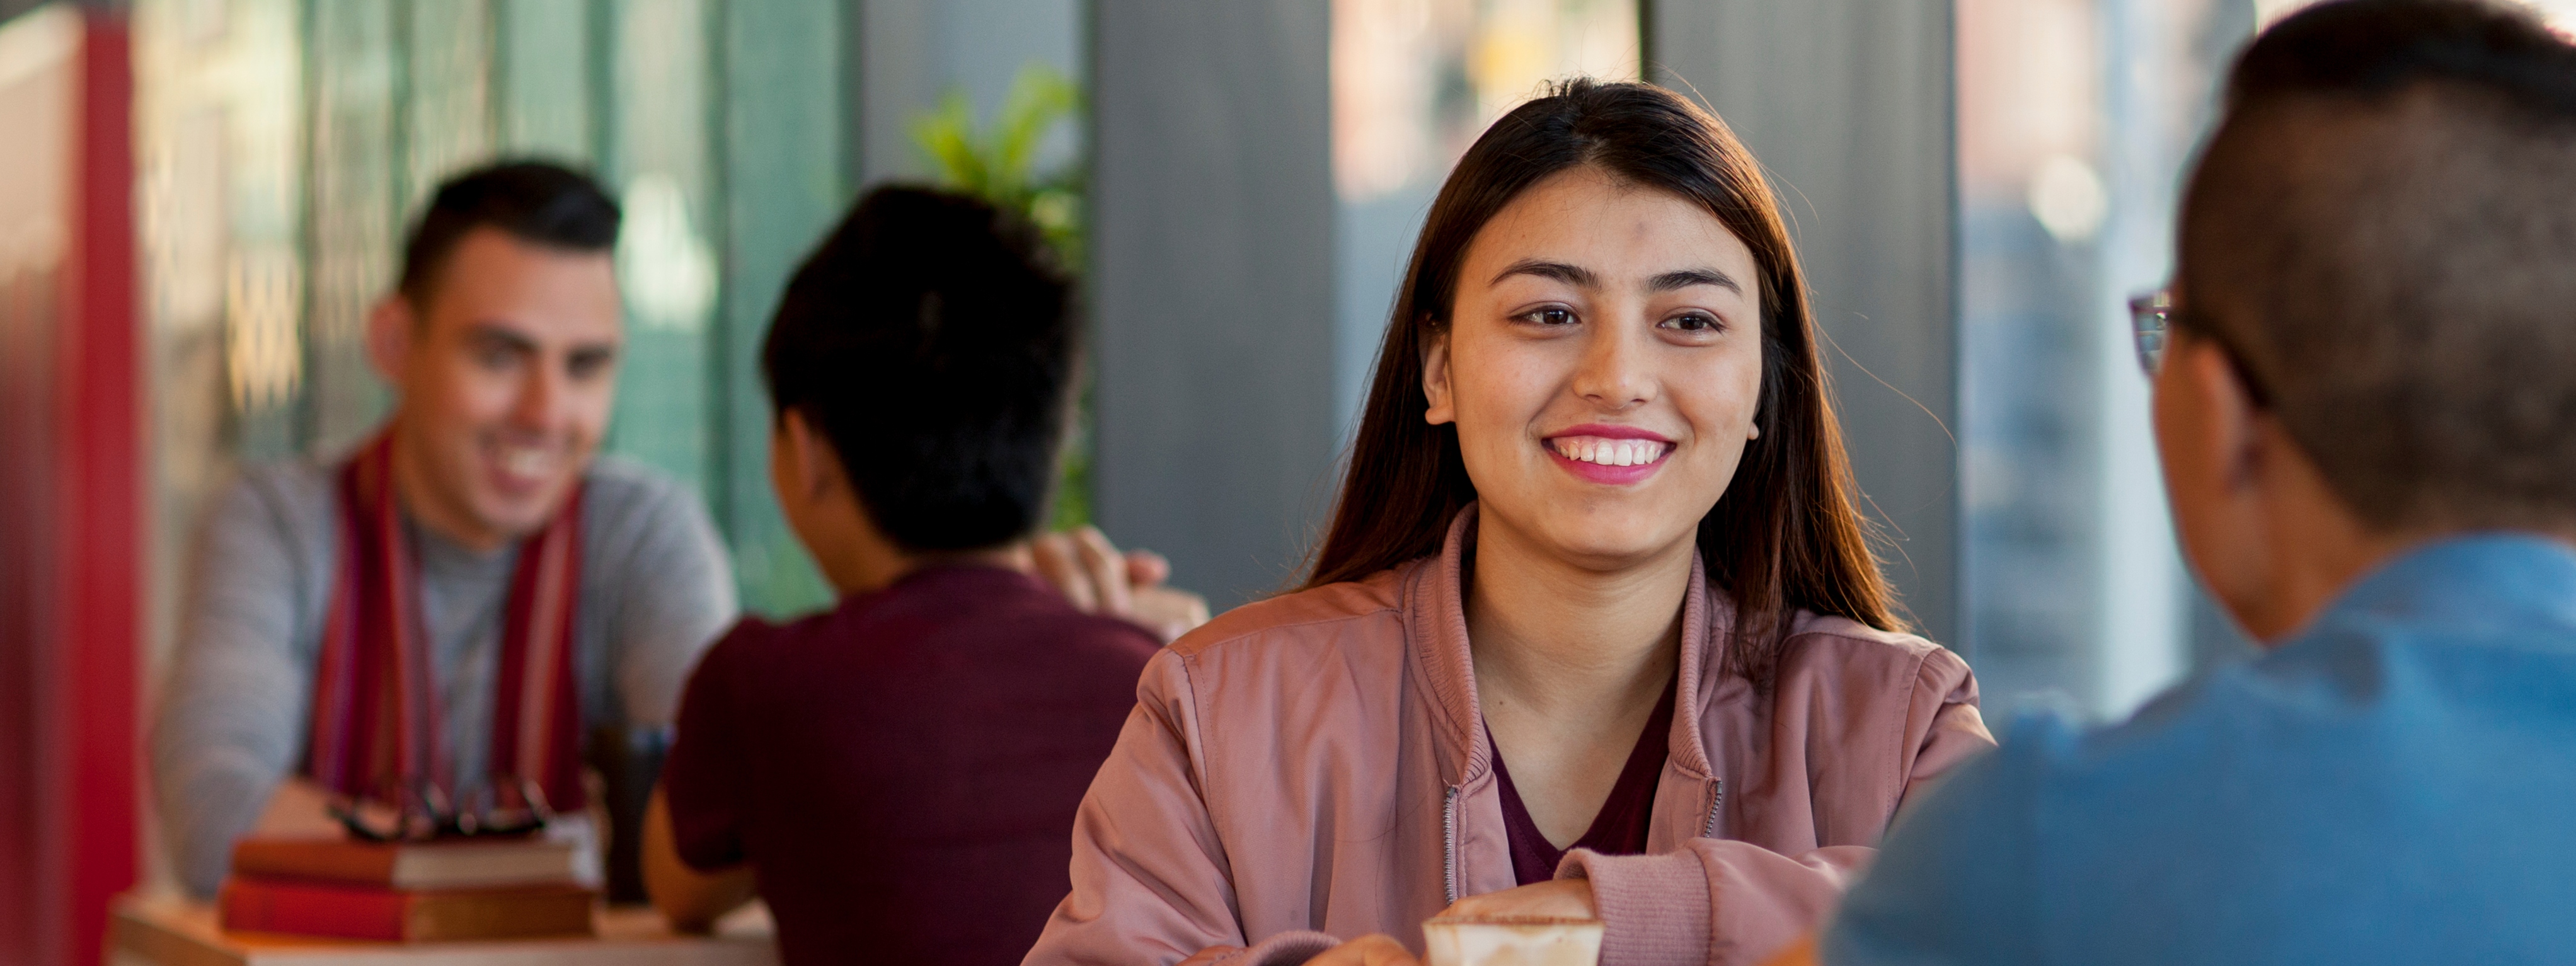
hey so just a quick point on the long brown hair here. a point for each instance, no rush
(1785, 535)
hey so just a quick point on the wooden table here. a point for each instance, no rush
(151, 931)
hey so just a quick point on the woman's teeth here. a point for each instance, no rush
(1609, 452)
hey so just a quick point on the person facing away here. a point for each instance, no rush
(2364, 413)
(1594, 630)
(432, 620)
(898, 776)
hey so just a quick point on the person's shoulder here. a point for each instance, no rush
(1859, 639)
(993, 607)
(1273, 683)
(1101, 632)
(2205, 732)
(295, 482)
(1840, 647)
(643, 517)
(618, 485)
(2325, 695)
(1959, 876)
(747, 644)
(290, 500)
(1314, 614)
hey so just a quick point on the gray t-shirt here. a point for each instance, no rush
(656, 589)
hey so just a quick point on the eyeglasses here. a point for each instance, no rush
(2152, 319)
(423, 813)
(2150, 316)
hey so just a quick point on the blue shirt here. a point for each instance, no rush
(2397, 784)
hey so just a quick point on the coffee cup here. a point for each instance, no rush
(1511, 941)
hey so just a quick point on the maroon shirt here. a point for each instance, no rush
(902, 771)
(1618, 829)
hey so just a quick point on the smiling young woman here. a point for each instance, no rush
(1594, 631)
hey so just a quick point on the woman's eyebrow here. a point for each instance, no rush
(1672, 281)
(1574, 275)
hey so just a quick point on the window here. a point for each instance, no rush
(2076, 120)
(1414, 82)
(283, 146)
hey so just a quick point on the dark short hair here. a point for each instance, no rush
(2390, 210)
(931, 338)
(2372, 48)
(536, 202)
(1786, 535)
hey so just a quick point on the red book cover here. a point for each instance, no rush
(357, 912)
(417, 866)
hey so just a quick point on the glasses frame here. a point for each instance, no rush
(422, 813)
(2150, 328)
(2155, 315)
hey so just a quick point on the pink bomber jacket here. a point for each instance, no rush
(1313, 768)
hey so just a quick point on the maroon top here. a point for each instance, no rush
(902, 772)
(1618, 829)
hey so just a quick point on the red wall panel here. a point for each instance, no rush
(103, 488)
(71, 485)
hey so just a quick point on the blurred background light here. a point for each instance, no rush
(667, 271)
(264, 349)
(2066, 196)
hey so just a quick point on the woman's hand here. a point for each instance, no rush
(298, 809)
(1560, 898)
(1377, 949)
(1089, 571)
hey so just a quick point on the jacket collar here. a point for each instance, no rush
(1436, 616)
(2468, 580)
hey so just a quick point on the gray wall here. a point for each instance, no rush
(1212, 284)
(1848, 104)
(914, 52)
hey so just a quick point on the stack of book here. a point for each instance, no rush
(406, 892)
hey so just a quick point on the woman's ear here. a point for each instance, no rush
(1435, 380)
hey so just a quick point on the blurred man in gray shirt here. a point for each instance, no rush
(433, 621)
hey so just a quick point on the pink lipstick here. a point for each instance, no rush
(1607, 454)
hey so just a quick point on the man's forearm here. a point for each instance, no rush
(690, 900)
(220, 749)
(231, 717)
(209, 799)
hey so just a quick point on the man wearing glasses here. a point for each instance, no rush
(420, 633)
(2365, 401)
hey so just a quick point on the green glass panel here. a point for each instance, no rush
(219, 152)
(450, 87)
(542, 73)
(659, 161)
(353, 233)
(722, 126)
(264, 271)
(785, 185)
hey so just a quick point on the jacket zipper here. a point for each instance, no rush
(1716, 801)
(1449, 844)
